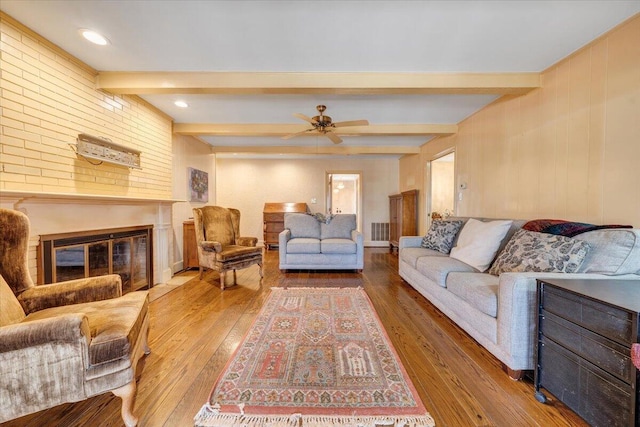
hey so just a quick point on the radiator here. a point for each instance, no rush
(379, 231)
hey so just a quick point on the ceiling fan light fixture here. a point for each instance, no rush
(324, 125)
(94, 37)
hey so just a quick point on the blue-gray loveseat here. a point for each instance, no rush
(309, 244)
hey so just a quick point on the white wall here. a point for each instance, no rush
(188, 152)
(247, 184)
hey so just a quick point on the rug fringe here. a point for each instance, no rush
(210, 416)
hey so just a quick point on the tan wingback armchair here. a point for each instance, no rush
(67, 341)
(220, 246)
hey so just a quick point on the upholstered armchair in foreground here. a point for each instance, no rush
(67, 341)
(220, 246)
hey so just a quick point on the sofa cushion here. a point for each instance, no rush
(10, 309)
(411, 255)
(115, 324)
(436, 268)
(303, 245)
(614, 251)
(337, 246)
(478, 289)
(532, 251)
(440, 235)
(302, 225)
(340, 227)
(479, 241)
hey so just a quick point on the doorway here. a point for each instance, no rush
(344, 194)
(441, 200)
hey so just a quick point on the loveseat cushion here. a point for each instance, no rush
(478, 289)
(340, 227)
(302, 225)
(540, 252)
(115, 324)
(612, 251)
(303, 245)
(338, 246)
(436, 268)
(411, 255)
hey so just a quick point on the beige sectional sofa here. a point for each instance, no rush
(498, 311)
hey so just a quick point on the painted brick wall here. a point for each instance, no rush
(47, 98)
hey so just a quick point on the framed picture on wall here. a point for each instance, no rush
(198, 185)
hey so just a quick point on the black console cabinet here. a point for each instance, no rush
(585, 329)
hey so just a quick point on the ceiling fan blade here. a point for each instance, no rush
(333, 137)
(352, 123)
(305, 118)
(292, 135)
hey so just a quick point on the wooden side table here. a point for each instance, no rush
(585, 332)
(189, 248)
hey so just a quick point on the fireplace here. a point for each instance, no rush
(125, 251)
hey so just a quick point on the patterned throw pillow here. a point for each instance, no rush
(532, 251)
(441, 235)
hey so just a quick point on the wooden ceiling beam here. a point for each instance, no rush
(327, 149)
(278, 130)
(244, 83)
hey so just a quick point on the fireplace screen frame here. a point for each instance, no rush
(129, 252)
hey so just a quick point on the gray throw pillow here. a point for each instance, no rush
(540, 252)
(441, 235)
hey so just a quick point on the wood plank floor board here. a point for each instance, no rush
(416, 353)
(196, 327)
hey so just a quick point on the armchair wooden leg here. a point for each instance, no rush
(222, 273)
(128, 394)
(235, 279)
(261, 274)
(145, 344)
(201, 271)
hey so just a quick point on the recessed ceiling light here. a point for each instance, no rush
(181, 104)
(94, 37)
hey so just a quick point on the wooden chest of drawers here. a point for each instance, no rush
(585, 330)
(273, 220)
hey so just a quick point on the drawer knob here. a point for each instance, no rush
(635, 354)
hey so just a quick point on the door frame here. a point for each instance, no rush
(329, 194)
(428, 185)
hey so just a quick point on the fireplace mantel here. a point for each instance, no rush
(17, 197)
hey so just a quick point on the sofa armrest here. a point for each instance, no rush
(409, 242)
(70, 327)
(247, 241)
(71, 292)
(517, 312)
(283, 238)
(357, 237)
(211, 246)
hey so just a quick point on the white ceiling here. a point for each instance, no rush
(322, 37)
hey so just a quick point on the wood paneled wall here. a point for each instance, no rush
(47, 98)
(570, 150)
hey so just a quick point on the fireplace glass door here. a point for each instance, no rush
(127, 252)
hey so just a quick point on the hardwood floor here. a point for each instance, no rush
(196, 327)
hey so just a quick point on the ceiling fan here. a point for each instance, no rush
(323, 124)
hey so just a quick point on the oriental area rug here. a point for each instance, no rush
(315, 357)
